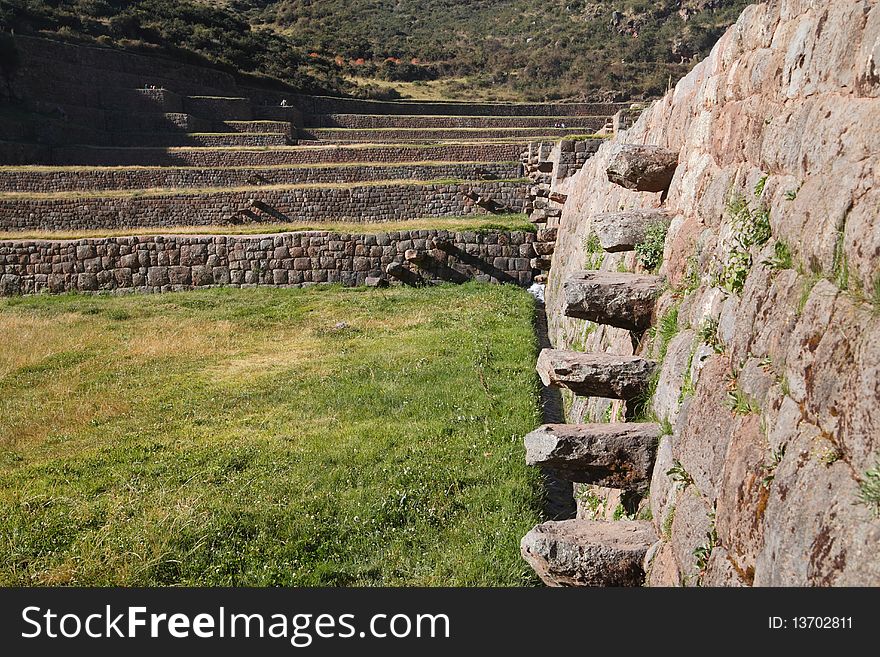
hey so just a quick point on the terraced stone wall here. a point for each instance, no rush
(48, 66)
(178, 262)
(360, 203)
(366, 121)
(96, 179)
(267, 157)
(314, 105)
(428, 135)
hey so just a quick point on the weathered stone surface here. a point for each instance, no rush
(622, 300)
(663, 490)
(815, 531)
(701, 446)
(691, 526)
(667, 396)
(589, 553)
(642, 168)
(742, 497)
(594, 375)
(618, 455)
(622, 231)
(663, 569)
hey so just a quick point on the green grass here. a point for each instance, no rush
(477, 223)
(39, 168)
(267, 437)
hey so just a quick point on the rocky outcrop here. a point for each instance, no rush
(589, 553)
(766, 330)
(599, 374)
(610, 455)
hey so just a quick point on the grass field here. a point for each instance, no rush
(267, 437)
(477, 223)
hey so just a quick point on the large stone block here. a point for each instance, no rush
(588, 552)
(642, 167)
(622, 300)
(594, 375)
(619, 455)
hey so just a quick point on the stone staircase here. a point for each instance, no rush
(613, 455)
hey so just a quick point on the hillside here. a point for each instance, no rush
(490, 49)
(539, 49)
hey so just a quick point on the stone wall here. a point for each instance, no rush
(85, 155)
(95, 179)
(428, 135)
(207, 140)
(49, 67)
(771, 379)
(356, 203)
(313, 105)
(219, 109)
(177, 262)
(366, 121)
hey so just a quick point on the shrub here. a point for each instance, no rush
(650, 250)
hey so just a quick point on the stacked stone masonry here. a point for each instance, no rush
(429, 135)
(178, 262)
(366, 121)
(86, 156)
(106, 178)
(356, 203)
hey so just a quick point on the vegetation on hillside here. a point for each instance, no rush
(527, 49)
(268, 437)
(542, 49)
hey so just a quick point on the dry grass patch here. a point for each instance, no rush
(480, 223)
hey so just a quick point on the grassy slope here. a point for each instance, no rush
(239, 437)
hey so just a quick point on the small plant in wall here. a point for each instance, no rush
(679, 475)
(781, 258)
(751, 227)
(650, 250)
(869, 490)
(708, 333)
(704, 551)
(776, 456)
(594, 254)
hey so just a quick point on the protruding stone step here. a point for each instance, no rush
(544, 248)
(595, 375)
(404, 275)
(618, 455)
(622, 231)
(542, 263)
(622, 300)
(642, 168)
(547, 234)
(558, 197)
(589, 552)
